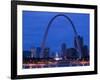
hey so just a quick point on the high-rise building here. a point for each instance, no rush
(78, 42)
(85, 52)
(52, 54)
(38, 51)
(33, 52)
(72, 53)
(46, 53)
(63, 50)
(26, 55)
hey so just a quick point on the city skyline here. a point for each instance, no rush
(58, 33)
(65, 53)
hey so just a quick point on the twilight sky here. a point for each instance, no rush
(61, 31)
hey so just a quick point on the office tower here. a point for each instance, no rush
(85, 52)
(80, 40)
(78, 43)
(33, 52)
(72, 54)
(63, 50)
(46, 53)
(26, 55)
(38, 51)
(53, 55)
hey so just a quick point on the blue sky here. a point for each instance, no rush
(35, 24)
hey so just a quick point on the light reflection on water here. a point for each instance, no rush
(56, 64)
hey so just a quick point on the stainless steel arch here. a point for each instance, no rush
(48, 27)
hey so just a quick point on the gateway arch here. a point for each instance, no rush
(49, 26)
